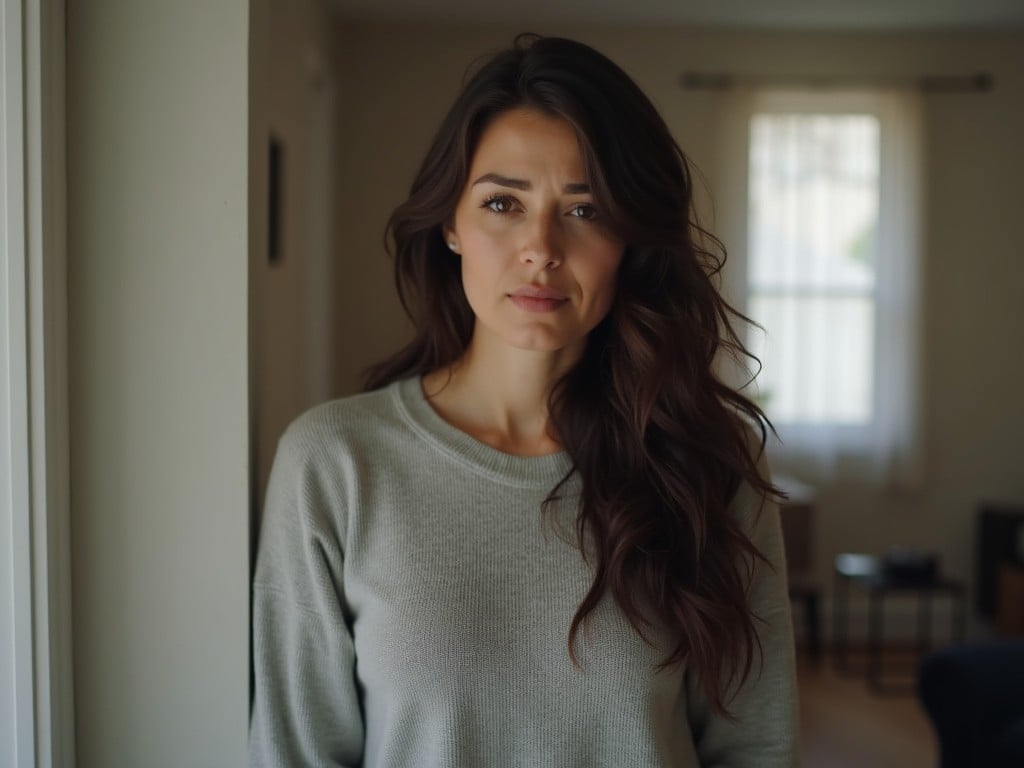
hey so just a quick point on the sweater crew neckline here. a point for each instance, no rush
(523, 471)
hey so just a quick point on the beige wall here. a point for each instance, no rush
(157, 251)
(292, 98)
(396, 83)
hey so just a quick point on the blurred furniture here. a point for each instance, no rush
(797, 513)
(974, 695)
(868, 573)
(999, 560)
(1010, 600)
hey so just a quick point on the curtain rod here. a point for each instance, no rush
(981, 82)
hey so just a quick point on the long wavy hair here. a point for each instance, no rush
(660, 442)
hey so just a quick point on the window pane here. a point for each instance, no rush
(813, 200)
(817, 356)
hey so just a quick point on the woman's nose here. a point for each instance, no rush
(543, 244)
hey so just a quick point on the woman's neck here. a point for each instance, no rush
(499, 395)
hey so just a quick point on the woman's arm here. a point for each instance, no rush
(306, 710)
(765, 733)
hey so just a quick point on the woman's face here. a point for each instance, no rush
(539, 261)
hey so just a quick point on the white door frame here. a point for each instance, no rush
(36, 681)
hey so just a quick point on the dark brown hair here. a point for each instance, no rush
(661, 443)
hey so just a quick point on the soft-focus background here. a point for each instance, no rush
(183, 332)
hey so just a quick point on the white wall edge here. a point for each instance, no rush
(17, 710)
(37, 710)
(48, 354)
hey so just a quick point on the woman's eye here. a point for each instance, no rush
(583, 211)
(500, 204)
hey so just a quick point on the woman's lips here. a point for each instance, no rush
(534, 304)
(537, 298)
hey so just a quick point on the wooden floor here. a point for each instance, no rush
(844, 725)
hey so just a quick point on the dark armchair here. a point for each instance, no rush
(974, 695)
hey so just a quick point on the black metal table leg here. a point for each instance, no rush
(839, 624)
(811, 607)
(924, 623)
(876, 627)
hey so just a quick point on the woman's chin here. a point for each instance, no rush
(535, 341)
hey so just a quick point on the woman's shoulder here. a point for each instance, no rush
(353, 422)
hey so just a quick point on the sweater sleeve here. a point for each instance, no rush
(306, 708)
(765, 732)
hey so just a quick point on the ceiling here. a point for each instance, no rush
(803, 14)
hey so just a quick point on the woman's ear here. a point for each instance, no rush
(450, 239)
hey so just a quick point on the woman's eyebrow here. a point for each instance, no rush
(522, 184)
(503, 181)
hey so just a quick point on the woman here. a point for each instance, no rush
(541, 537)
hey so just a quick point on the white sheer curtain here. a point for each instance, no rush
(830, 190)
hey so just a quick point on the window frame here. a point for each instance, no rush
(887, 450)
(833, 106)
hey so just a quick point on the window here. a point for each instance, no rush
(813, 216)
(832, 276)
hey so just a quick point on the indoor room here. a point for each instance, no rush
(196, 256)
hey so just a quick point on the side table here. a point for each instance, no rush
(867, 573)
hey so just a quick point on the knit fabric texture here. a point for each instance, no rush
(412, 603)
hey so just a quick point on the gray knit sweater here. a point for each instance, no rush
(411, 607)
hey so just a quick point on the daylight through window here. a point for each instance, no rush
(832, 273)
(813, 220)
